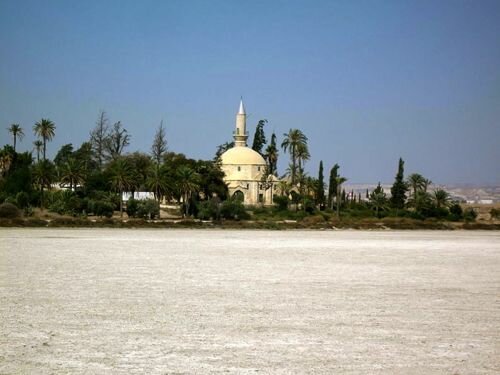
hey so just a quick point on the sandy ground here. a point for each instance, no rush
(209, 301)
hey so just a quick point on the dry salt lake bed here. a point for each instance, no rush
(99, 301)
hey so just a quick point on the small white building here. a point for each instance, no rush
(138, 195)
(244, 168)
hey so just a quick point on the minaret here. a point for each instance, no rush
(240, 134)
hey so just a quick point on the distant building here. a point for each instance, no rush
(244, 168)
(138, 195)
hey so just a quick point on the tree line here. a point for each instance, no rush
(95, 175)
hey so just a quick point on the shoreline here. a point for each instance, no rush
(381, 224)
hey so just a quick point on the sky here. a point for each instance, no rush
(366, 81)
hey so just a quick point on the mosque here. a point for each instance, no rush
(244, 168)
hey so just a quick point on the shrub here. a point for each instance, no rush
(208, 210)
(11, 199)
(57, 206)
(314, 220)
(495, 213)
(103, 208)
(9, 210)
(456, 212)
(148, 209)
(74, 205)
(470, 214)
(234, 209)
(309, 205)
(65, 202)
(131, 207)
(22, 199)
(281, 202)
(28, 211)
(360, 213)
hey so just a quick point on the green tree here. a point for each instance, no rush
(378, 199)
(158, 182)
(292, 142)
(188, 183)
(271, 156)
(44, 129)
(338, 182)
(17, 132)
(15, 171)
(44, 174)
(420, 198)
(38, 147)
(399, 188)
(63, 155)
(441, 198)
(259, 139)
(85, 156)
(303, 155)
(332, 185)
(140, 164)
(71, 173)
(211, 179)
(416, 182)
(121, 178)
(320, 189)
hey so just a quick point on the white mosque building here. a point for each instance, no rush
(244, 168)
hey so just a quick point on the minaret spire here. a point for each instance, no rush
(242, 107)
(240, 134)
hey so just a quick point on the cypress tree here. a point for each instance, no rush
(259, 138)
(332, 186)
(272, 156)
(399, 188)
(320, 193)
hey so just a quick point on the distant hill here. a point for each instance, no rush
(462, 192)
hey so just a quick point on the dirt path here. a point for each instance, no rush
(209, 301)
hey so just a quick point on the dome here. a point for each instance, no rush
(242, 156)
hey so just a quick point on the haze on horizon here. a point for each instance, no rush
(367, 82)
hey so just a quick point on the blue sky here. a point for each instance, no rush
(367, 81)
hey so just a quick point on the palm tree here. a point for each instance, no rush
(339, 180)
(188, 183)
(44, 174)
(156, 181)
(425, 184)
(17, 132)
(417, 183)
(302, 155)
(378, 199)
(38, 147)
(293, 141)
(284, 188)
(45, 129)
(441, 198)
(121, 177)
(311, 186)
(272, 156)
(72, 173)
